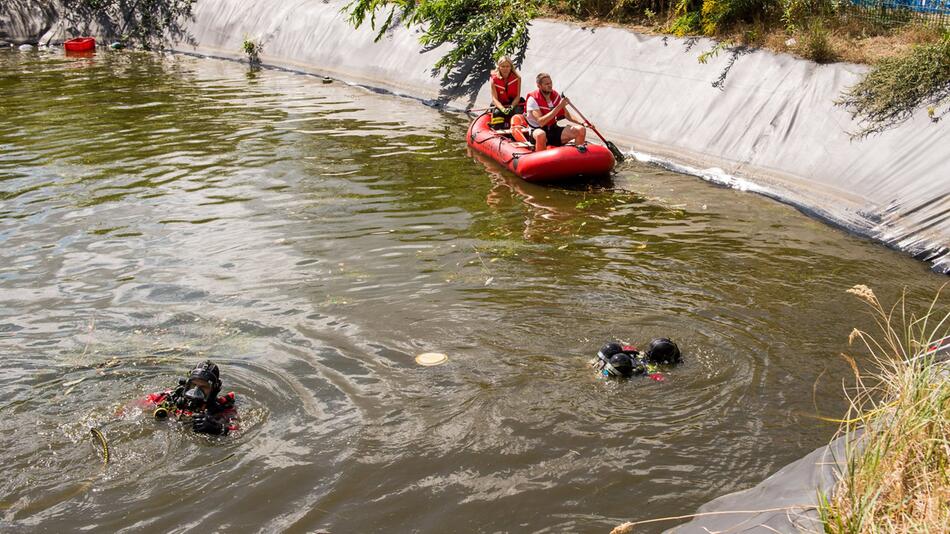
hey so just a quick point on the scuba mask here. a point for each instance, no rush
(194, 398)
(608, 350)
(620, 365)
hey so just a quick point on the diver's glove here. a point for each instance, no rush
(205, 424)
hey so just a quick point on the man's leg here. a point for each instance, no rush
(540, 139)
(577, 133)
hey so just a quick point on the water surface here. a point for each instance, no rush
(312, 239)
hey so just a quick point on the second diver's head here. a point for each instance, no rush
(202, 386)
(663, 351)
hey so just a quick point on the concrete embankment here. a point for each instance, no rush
(25, 21)
(772, 128)
(787, 501)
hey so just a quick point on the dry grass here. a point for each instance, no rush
(849, 40)
(898, 472)
(852, 42)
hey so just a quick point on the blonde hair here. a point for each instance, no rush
(541, 76)
(502, 60)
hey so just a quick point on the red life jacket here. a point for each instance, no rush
(508, 90)
(546, 106)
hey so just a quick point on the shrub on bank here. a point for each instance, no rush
(478, 31)
(897, 86)
(821, 30)
(897, 476)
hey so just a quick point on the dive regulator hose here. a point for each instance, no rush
(101, 438)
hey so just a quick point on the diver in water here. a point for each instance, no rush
(197, 398)
(624, 361)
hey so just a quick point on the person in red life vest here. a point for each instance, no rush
(197, 398)
(544, 108)
(505, 93)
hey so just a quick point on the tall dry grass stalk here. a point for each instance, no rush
(897, 474)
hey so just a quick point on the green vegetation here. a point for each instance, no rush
(817, 45)
(479, 31)
(897, 476)
(897, 86)
(913, 61)
(252, 49)
(147, 23)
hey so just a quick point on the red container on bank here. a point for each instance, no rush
(80, 44)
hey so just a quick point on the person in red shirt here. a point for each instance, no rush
(197, 398)
(505, 93)
(544, 108)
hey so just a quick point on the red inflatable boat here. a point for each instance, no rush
(80, 44)
(551, 164)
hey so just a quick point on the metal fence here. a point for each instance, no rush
(897, 12)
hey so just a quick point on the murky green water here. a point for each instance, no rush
(312, 239)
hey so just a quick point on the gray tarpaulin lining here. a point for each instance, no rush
(794, 487)
(25, 20)
(772, 129)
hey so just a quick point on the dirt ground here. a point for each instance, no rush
(848, 41)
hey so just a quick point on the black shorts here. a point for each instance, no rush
(553, 132)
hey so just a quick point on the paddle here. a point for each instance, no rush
(618, 155)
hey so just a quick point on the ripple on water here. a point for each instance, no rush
(313, 239)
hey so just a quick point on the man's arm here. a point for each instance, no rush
(538, 118)
(545, 119)
(572, 118)
(531, 108)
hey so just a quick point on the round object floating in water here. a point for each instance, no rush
(431, 358)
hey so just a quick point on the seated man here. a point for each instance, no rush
(196, 397)
(544, 107)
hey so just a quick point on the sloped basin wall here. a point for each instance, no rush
(25, 21)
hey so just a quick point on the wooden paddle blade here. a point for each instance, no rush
(618, 155)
